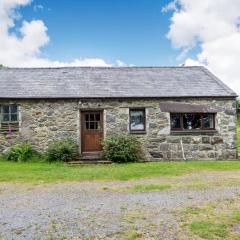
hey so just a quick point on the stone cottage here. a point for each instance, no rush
(176, 112)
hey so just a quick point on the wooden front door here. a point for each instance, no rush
(92, 130)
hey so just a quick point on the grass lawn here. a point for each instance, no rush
(45, 172)
(218, 220)
(238, 132)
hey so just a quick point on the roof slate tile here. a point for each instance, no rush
(102, 82)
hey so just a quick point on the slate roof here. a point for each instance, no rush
(101, 82)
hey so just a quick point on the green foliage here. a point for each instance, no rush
(150, 187)
(238, 105)
(236, 217)
(62, 150)
(45, 172)
(209, 230)
(238, 132)
(122, 148)
(20, 152)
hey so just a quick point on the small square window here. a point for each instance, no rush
(9, 118)
(92, 121)
(137, 120)
(9, 113)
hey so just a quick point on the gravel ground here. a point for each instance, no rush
(85, 211)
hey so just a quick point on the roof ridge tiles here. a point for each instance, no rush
(99, 67)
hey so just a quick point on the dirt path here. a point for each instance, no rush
(107, 210)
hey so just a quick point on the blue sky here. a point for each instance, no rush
(57, 33)
(133, 31)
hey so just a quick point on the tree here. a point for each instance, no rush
(238, 105)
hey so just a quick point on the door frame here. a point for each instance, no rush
(82, 126)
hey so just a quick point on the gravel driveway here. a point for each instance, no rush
(86, 211)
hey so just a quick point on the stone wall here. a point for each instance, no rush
(42, 122)
(45, 121)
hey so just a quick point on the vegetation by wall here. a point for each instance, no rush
(238, 132)
(238, 106)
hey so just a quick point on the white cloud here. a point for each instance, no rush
(38, 7)
(170, 6)
(120, 63)
(22, 47)
(215, 27)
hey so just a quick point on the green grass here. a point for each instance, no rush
(148, 187)
(216, 220)
(219, 227)
(193, 210)
(209, 230)
(45, 172)
(238, 132)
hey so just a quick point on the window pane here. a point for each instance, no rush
(191, 121)
(87, 125)
(97, 116)
(13, 108)
(14, 117)
(92, 125)
(208, 121)
(5, 109)
(137, 120)
(91, 117)
(86, 117)
(97, 125)
(6, 118)
(175, 122)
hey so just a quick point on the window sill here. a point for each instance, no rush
(138, 132)
(194, 132)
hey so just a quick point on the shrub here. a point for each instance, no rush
(122, 148)
(62, 150)
(238, 106)
(20, 152)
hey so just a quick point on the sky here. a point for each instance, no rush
(55, 33)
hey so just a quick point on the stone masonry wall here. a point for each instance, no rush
(44, 121)
(158, 142)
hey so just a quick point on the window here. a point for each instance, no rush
(137, 120)
(92, 121)
(9, 118)
(175, 121)
(192, 121)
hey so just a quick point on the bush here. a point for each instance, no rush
(20, 152)
(238, 106)
(122, 148)
(62, 150)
